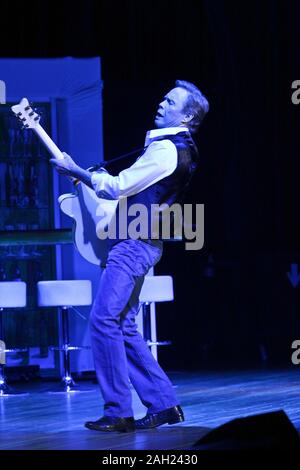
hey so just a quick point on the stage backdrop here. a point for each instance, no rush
(73, 90)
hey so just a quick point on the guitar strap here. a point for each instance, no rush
(113, 160)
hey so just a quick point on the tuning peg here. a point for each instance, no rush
(36, 111)
(33, 108)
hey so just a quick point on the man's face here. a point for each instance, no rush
(170, 110)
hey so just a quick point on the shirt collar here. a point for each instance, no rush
(154, 133)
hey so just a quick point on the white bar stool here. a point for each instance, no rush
(65, 294)
(155, 289)
(12, 295)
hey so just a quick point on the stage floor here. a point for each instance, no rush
(42, 420)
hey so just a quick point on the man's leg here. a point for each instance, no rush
(149, 380)
(107, 339)
(127, 261)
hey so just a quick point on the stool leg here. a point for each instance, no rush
(146, 322)
(147, 330)
(3, 384)
(5, 390)
(67, 383)
(67, 379)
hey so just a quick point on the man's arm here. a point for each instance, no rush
(69, 168)
(158, 162)
(83, 175)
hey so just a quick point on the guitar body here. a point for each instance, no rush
(90, 214)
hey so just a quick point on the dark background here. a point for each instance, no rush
(234, 304)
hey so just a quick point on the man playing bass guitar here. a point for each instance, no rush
(160, 175)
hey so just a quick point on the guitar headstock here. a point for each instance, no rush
(25, 114)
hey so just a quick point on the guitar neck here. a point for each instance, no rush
(53, 149)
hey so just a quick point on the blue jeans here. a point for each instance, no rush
(120, 353)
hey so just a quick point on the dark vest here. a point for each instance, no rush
(169, 190)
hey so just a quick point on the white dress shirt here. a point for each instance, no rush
(158, 161)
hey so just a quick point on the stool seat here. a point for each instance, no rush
(64, 293)
(12, 294)
(157, 289)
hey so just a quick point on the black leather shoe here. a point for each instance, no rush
(110, 424)
(153, 420)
